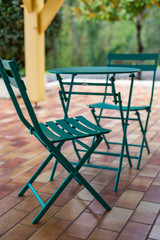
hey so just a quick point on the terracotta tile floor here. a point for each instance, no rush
(75, 215)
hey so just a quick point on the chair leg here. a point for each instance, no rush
(140, 154)
(62, 187)
(76, 151)
(97, 122)
(128, 154)
(53, 170)
(55, 163)
(73, 173)
(120, 161)
(124, 141)
(53, 198)
(143, 131)
(93, 113)
(123, 126)
(36, 174)
(144, 140)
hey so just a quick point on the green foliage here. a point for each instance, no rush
(80, 41)
(112, 10)
(84, 43)
(151, 32)
(81, 44)
(11, 31)
(52, 35)
(115, 10)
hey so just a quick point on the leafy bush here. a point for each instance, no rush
(11, 31)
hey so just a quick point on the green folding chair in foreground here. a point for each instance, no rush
(52, 135)
(146, 63)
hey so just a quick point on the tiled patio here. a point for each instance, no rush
(76, 215)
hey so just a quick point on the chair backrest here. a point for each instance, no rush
(147, 62)
(11, 77)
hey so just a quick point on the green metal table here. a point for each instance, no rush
(65, 97)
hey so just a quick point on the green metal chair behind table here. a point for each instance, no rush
(147, 63)
(52, 135)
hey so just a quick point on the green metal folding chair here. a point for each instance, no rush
(52, 135)
(147, 63)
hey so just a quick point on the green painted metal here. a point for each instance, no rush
(53, 135)
(110, 73)
(59, 145)
(97, 166)
(85, 84)
(123, 122)
(36, 174)
(124, 134)
(37, 195)
(124, 127)
(90, 93)
(97, 121)
(112, 79)
(138, 61)
(109, 154)
(93, 70)
(102, 105)
(143, 131)
(69, 94)
(80, 126)
(53, 170)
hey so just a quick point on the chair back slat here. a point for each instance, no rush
(146, 68)
(13, 82)
(6, 64)
(16, 81)
(134, 56)
(136, 60)
(7, 67)
(147, 62)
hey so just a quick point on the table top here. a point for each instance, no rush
(93, 70)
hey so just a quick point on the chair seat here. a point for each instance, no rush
(116, 107)
(71, 128)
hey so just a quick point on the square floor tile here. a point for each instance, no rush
(134, 231)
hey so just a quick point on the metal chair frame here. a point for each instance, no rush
(52, 135)
(139, 59)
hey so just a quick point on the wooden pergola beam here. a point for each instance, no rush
(29, 5)
(38, 15)
(48, 13)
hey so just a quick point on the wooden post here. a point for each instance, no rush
(34, 53)
(37, 17)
